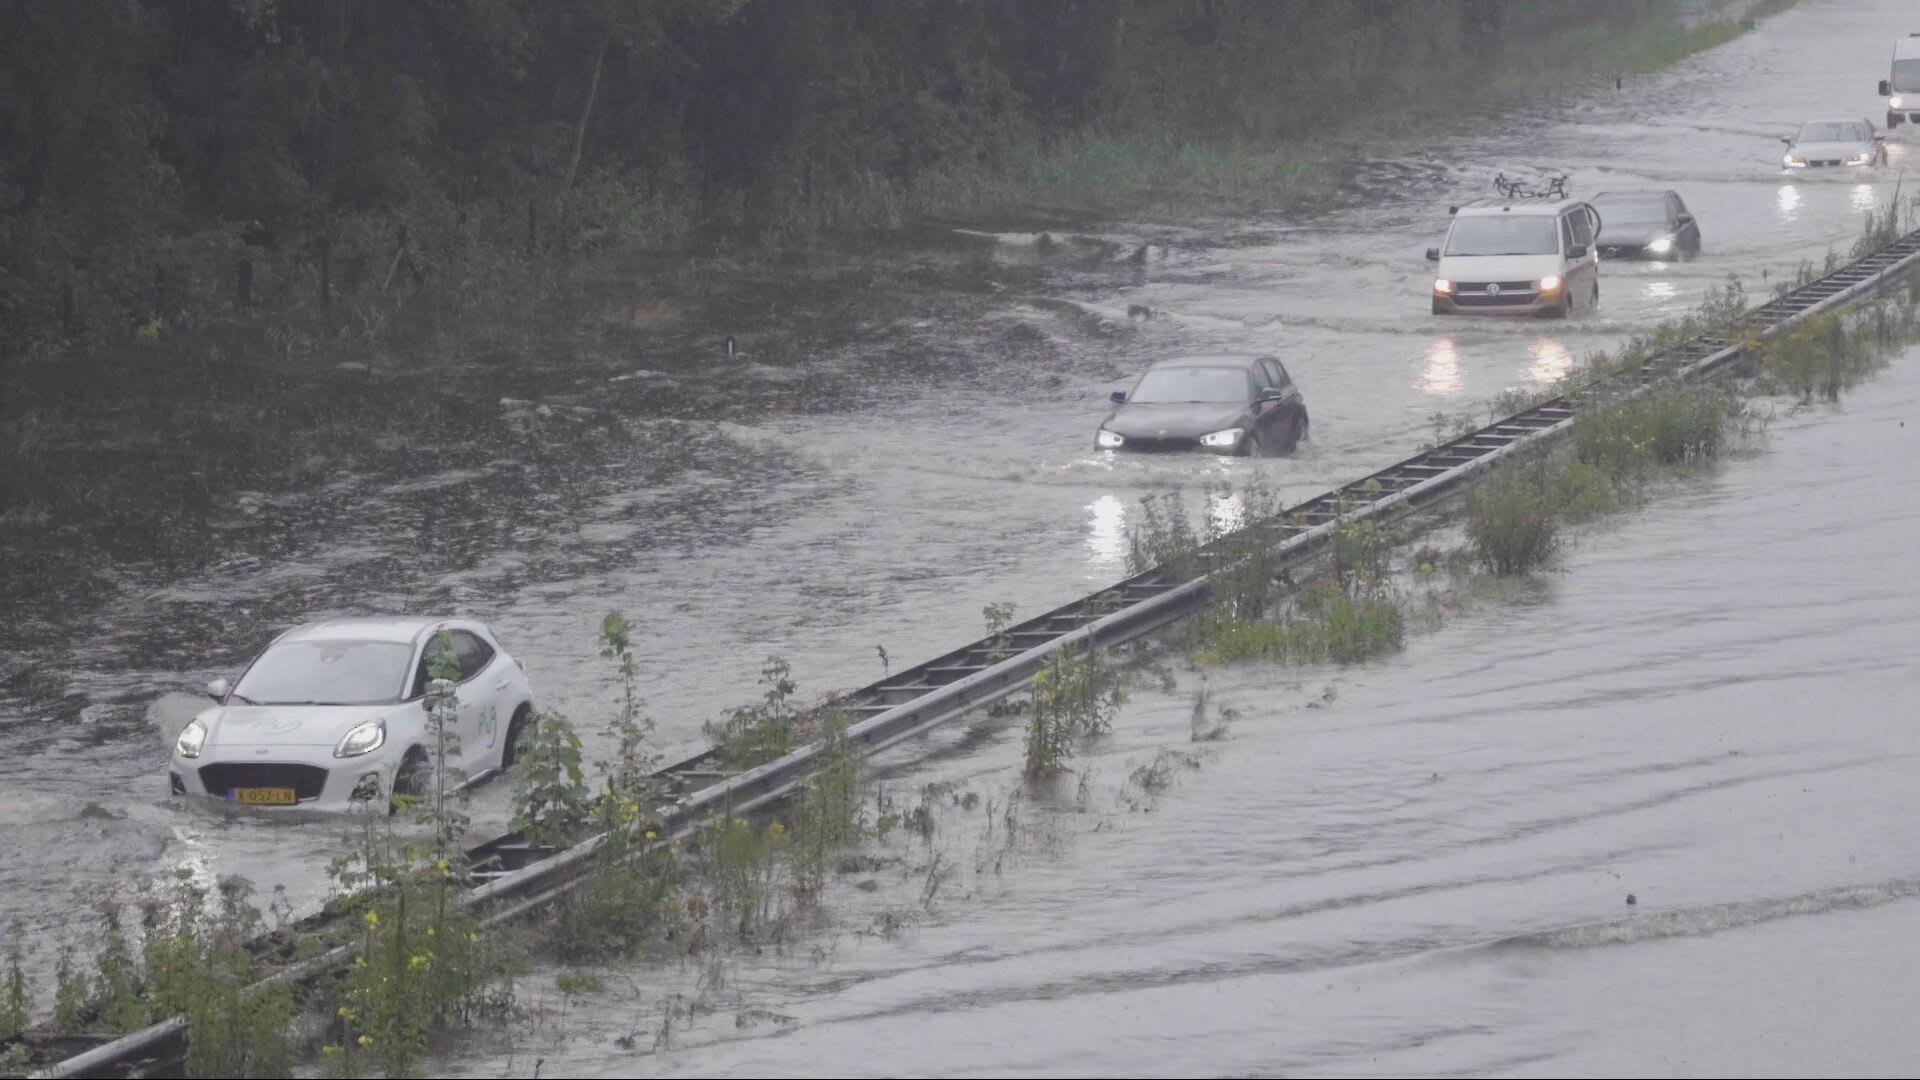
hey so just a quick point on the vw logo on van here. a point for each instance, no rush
(1493, 289)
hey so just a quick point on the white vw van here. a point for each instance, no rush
(1518, 258)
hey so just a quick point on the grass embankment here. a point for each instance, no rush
(1133, 170)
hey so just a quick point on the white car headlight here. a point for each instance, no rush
(1793, 161)
(1661, 245)
(1442, 285)
(192, 738)
(1109, 440)
(1859, 159)
(1550, 283)
(1895, 102)
(1221, 438)
(362, 739)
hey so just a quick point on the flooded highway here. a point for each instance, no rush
(1387, 871)
(1652, 816)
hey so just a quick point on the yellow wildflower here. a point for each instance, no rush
(365, 1040)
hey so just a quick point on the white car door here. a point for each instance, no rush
(482, 684)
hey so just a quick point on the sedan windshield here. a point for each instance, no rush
(1529, 235)
(1815, 133)
(1164, 386)
(327, 673)
(1631, 212)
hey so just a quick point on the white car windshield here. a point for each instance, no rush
(1529, 234)
(1814, 133)
(1631, 212)
(1168, 385)
(327, 673)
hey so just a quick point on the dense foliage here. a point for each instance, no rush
(143, 142)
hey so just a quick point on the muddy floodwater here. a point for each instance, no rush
(1420, 866)
(1423, 866)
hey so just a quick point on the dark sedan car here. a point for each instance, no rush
(1645, 225)
(1245, 405)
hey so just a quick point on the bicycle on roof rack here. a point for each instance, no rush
(1553, 187)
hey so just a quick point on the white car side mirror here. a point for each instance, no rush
(217, 689)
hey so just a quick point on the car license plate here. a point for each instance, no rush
(265, 796)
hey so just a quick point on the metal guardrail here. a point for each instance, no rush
(518, 877)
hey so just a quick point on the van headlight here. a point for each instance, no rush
(1895, 102)
(362, 739)
(1661, 245)
(1550, 283)
(192, 738)
(1442, 285)
(1221, 438)
(1109, 440)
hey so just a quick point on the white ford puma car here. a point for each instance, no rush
(334, 715)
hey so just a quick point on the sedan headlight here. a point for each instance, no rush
(1109, 440)
(1550, 283)
(1442, 285)
(362, 739)
(1859, 159)
(1221, 438)
(1794, 161)
(1661, 245)
(192, 738)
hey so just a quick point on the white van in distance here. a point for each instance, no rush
(1901, 87)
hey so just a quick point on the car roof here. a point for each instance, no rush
(1210, 360)
(1634, 193)
(1529, 208)
(1840, 120)
(1907, 47)
(400, 629)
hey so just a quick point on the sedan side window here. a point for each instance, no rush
(1277, 372)
(1262, 377)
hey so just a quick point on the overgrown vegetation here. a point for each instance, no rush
(1072, 698)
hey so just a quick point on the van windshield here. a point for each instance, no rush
(1906, 76)
(1532, 234)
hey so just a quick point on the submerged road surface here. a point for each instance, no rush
(1652, 815)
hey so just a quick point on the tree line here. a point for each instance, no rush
(141, 136)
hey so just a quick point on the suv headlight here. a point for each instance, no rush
(192, 738)
(1661, 245)
(362, 739)
(1221, 438)
(1109, 440)
(1550, 283)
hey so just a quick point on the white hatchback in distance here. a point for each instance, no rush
(333, 715)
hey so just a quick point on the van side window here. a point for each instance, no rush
(1566, 233)
(1582, 227)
